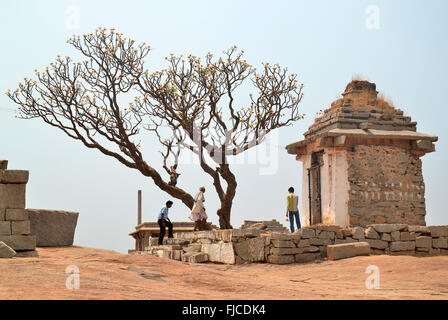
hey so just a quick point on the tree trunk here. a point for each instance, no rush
(224, 215)
(227, 199)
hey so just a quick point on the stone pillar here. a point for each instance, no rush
(14, 220)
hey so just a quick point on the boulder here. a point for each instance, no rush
(6, 251)
(53, 228)
(347, 250)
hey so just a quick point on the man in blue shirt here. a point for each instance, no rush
(163, 221)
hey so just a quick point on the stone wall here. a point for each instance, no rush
(305, 245)
(386, 186)
(14, 219)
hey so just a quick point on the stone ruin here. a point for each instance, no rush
(22, 230)
(308, 244)
(15, 227)
(361, 163)
(363, 193)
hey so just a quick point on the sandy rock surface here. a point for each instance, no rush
(106, 274)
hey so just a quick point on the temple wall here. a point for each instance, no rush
(385, 186)
(305, 208)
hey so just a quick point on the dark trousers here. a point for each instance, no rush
(294, 215)
(162, 230)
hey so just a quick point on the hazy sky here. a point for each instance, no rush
(399, 45)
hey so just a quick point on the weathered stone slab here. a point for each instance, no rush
(320, 242)
(281, 259)
(5, 228)
(439, 231)
(402, 246)
(16, 214)
(358, 233)
(193, 247)
(252, 233)
(195, 257)
(2, 214)
(370, 233)
(12, 196)
(330, 228)
(6, 251)
(220, 252)
(377, 244)
(388, 228)
(440, 242)
(424, 230)
(347, 250)
(304, 243)
(305, 257)
(395, 235)
(251, 250)
(284, 236)
(283, 243)
(14, 176)
(423, 242)
(407, 236)
(53, 228)
(326, 235)
(285, 251)
(20, 242)
(386, 237)
(306, 233)
(20, 227)
(224, 235)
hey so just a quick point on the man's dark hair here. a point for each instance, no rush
(291, 189)
(169, 203)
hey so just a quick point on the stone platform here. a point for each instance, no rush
(308, 244)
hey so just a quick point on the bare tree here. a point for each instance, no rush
(194, 100)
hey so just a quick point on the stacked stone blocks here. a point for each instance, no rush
(14, 220)
(305, 245)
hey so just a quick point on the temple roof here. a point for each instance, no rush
(360, 113)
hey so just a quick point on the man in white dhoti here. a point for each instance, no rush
(198, 214)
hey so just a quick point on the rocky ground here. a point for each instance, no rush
(107, 274)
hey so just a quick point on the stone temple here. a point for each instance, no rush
(361, 163)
